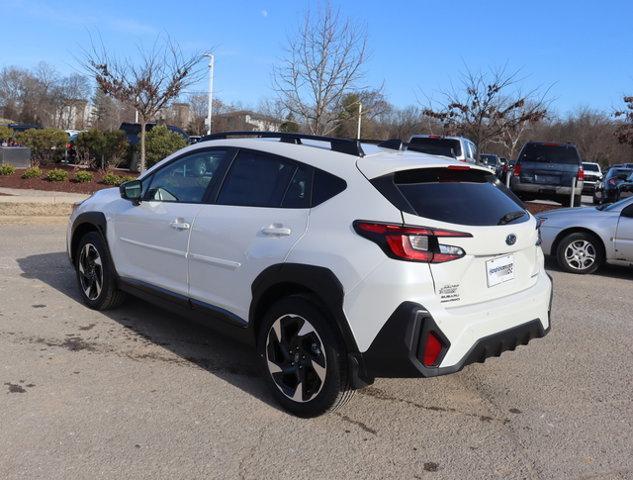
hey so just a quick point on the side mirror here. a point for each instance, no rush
(131, 190)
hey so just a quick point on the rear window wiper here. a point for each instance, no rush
(510, 217)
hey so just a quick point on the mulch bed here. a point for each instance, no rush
(535, 208)
(16, 181)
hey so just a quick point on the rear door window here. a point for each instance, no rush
(256, 180)
(465, 197)
(550, 153)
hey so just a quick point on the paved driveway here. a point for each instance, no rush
(138, 393)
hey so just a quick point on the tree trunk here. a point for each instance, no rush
(141, 166)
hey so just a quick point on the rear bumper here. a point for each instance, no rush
(398, 348)
(545, 190)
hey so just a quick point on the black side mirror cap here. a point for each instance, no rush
(131, 190)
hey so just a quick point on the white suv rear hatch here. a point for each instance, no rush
(500, 241)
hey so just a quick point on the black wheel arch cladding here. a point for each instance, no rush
(84, 223)
(285, 279)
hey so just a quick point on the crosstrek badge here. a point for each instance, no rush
(449, 293)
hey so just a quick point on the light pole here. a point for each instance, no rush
(210, 106)
(360, 116)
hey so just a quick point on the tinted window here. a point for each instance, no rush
(326, 186)
(298, 192)
(491, 160)
(545, 153)
(618, 172)
(465, 197)
(185, 180)
(256, 180)
(590, 167)
(436, 146)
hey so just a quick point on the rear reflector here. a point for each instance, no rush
(432, 350)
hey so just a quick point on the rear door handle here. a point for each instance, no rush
(276, 230)
(179, 224)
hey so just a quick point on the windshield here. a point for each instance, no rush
(590, 167)
(549, 153)
(436, 146)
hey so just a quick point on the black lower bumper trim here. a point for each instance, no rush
(396, 350)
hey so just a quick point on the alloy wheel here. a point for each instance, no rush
(296, 358)
(90, 271)
(580, 254)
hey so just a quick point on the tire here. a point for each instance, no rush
(575, 251)
(315, 361)
(596, 201)
(95, 278)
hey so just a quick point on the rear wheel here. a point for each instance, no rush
(303, 358)
(97, 284)
(580, 252)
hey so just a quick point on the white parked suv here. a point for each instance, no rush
(341, 262)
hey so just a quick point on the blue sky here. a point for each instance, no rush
(583, 48)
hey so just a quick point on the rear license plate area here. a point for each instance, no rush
(500, 270)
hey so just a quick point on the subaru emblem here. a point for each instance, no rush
(511, 239)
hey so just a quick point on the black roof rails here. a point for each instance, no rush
(391, 144)
(342, 145)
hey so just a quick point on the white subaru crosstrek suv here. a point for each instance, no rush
(340, 261)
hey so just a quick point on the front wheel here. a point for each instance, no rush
(303, 358)
(96, 281)
(580, 252)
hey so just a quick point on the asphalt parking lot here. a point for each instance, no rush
(138, 393)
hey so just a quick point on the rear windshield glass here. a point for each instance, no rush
(465, 197)
(590, 167)
(618, 172)
(488, 159)
(436, 146)
(544, 153)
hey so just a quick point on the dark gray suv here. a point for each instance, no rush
(546, 171)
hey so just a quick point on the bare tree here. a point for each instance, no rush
(488, 107)
(322, 63)
(148, 86)
(624, 131)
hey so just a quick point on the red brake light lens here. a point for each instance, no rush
(581, 175)
(415, 244)
(458, 167)
(432, 350)
(517, 170)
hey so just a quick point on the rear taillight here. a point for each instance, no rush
(432, 349)
(580, 176)
(415, 244)
(517, 170)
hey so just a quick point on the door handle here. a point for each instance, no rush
(178, 224)
(276, 230)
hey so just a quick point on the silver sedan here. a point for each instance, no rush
(583, 239)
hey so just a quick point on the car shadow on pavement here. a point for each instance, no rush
(167, 337)
(613, 271)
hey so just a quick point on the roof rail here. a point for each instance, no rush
(342, 145)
